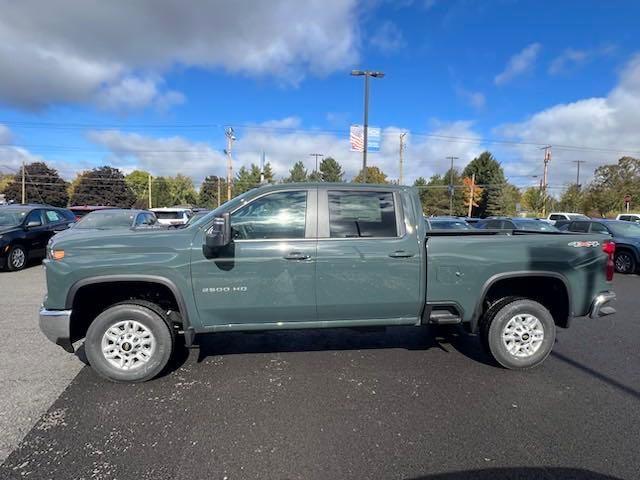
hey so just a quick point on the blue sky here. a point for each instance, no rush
(152, 85)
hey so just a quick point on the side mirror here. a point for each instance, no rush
(219, 234)
(34, 223)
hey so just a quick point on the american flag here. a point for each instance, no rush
(356, 138)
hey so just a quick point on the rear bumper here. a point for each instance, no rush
(601, 305)
(56, 326)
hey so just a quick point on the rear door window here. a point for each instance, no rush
(358, 214)
(53, 217)
(599, 228)
(580, 227)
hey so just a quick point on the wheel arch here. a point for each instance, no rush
(116, 281)
(562, 316)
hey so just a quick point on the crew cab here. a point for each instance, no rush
(298, 256)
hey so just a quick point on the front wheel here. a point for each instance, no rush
(129, 342)
(625, 263)
(16, 258)
(520, 335)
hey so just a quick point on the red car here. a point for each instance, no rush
(81, 210)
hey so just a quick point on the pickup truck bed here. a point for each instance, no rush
(316, 256)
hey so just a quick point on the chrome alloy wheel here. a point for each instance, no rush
(17, 258)
(623, 262)
(128, 345)
(522, 336)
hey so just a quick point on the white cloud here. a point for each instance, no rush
(132, 93)
(519, 64)
(11, 156)
(5, 135)
(388, 38)
(476, 100)
(424, 155)
(62, 51)
(160, 156)
(606, 126)
(571, 58)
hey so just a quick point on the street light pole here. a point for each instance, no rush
(366, 74)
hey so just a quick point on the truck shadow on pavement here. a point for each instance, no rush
(521, 473)
(409, 338)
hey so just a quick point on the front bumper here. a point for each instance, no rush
(601, 305)
(56, 325)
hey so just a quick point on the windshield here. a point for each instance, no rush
(624, 229)
(106, 219)
(12, 217)
(535, 225)
(577, 216)
(450, 224)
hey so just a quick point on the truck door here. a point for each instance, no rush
(267, 275)
(368, 265)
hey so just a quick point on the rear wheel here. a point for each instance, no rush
(129, 342)
(520, 334)
(625, 263)
(16, 258)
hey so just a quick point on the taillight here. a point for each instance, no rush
(610, 249)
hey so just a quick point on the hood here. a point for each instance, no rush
(8, 229)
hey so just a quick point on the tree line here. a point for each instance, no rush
(490, 193)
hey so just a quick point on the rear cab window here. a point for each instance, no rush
(362, 214)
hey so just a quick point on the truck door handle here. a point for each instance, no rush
(401, 254)
(296, 256)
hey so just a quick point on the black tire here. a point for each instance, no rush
(624, 262)
(152, 319)
(493, 328)
(16, 258)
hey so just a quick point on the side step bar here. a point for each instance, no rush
(444, 317)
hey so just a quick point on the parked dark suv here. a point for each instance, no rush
(626, 236)
(25, 231)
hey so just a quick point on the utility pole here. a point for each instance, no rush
(547, 159)
(262, 168)
(230, 139)
(366, 74)
(471, 193)
(402, 146)
(316, 155)
(451, 185)
(218, 182)
(578, 162)
(150, 191)
(24, 190)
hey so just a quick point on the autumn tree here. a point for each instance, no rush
(472, 194)
(374, 175)
(490, 176)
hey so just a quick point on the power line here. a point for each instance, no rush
(340, 133)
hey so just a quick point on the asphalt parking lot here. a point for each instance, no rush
(400, 404)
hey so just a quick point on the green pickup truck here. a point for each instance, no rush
(296, 256)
